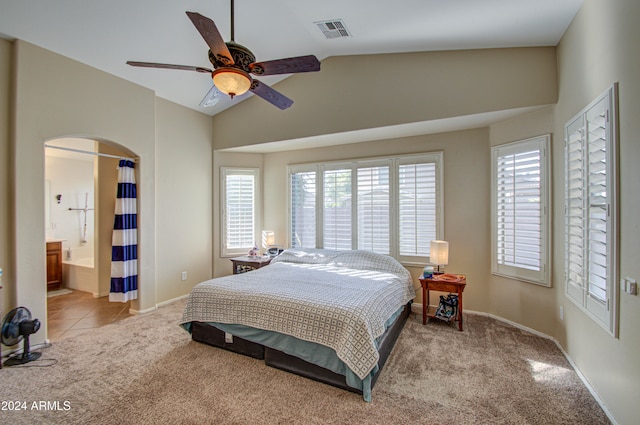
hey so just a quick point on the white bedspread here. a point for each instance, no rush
(341, 299)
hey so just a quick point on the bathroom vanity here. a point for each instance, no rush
(54, 265)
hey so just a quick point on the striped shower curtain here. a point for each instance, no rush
(124, 250)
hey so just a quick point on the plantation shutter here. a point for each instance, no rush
(520, 192)
(239, 210)
(590, 208)
(519, 210)
(417, 208)
(369, 204)
(336, 215)
(373, 209)
(575, 210)
(597, 198)
(303, 209)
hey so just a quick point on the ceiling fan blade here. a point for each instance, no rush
(307, 63)
(270, 95)
(170, 66)
(208, 30)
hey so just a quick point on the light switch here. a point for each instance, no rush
(629, 285)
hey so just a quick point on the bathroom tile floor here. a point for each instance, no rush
(78, 312)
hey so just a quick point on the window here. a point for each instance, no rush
(336, 214)
(239, 194)
(417, 207)
(302, 214)
(591, 210)
(374, 209)
(520, 213)
(387, 205)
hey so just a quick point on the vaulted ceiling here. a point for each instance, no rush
(106, 34)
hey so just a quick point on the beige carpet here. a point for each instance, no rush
(146, 370)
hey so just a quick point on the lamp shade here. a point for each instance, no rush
(268, 238)
(231, 81)
(439, 253)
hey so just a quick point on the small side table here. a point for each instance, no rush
(443, 283)
(246, 264)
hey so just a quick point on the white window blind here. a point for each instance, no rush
(302, 195)
(388, 205)
(336, 215)
(239, 211)
(590, 210)
(597, 198)
(373, 209)
(417, 208)
(574, 209)
(520, 213)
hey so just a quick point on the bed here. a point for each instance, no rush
(332, 316)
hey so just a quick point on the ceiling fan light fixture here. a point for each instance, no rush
(231, 81)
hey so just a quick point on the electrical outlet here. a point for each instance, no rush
(184, 275)
(561, 312)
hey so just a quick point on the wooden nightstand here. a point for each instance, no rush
(444, 284)
(246, 264)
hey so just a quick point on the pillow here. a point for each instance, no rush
(306, 256)
(354, 259)
(367, 260)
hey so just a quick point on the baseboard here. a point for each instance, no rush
(160, 304)
(145, 311)
(586, 383)
(181, 297)
(417, 308)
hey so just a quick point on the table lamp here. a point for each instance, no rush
(268, 238)
(439, 255)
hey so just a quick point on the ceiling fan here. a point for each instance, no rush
(235, 64)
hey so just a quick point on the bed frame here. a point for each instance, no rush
(207, 334)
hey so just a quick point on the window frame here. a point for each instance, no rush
(438, 159)
(226, 252)
(543, 275)
(603, 312)
(354, 165)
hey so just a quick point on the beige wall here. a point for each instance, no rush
(6, 259)
(368, 91)
(71, 99)
(184, 198)
(68, 98)
(222, 266)
(528, 304)
(600, 48)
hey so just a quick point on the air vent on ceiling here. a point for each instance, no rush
(334, 28)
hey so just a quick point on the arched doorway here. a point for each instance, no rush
(80, 185)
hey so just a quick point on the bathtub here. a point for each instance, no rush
(80, 274)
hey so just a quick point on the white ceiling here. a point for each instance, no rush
(105, 34)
